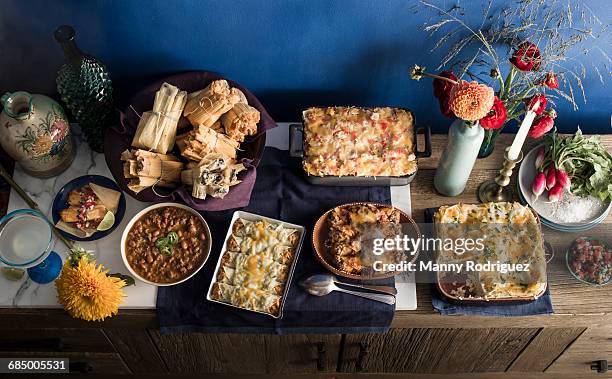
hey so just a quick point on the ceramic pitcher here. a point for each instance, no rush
(458, 158)
(35, 132)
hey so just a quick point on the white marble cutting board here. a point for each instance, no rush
(25, 293)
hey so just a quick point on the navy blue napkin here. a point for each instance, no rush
(543, 305)
(280, 192)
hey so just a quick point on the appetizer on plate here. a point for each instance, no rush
(510, 234)
(350, 228)
(254, 269)
(351, 141)
(90, 208)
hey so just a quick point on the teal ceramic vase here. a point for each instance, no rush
(458, 158)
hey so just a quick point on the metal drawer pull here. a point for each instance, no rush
(321, 355)
(600, 366)
(363, 353)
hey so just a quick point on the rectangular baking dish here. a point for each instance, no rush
(255, 217)
(296, 150)
(484, 301)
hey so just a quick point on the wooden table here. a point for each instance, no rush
(421, 342)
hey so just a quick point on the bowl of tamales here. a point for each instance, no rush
(194, 137)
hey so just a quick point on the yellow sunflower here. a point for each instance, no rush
(86, 291)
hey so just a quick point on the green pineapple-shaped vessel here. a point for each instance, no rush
(85, 87)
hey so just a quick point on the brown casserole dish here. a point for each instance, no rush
(511, 235)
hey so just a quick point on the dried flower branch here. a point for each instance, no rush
(556, 27)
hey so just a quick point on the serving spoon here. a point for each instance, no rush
(321, 280)
(331, 286)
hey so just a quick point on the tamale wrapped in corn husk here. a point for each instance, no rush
(236, 92)
(213, 175)
(142, 183)
(240, 121)
(196, 144)
(145, 169)
(157, 128)
(206, 106)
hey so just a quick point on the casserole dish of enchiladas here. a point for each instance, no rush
(358, 146)
(511, 237)
(256, 264)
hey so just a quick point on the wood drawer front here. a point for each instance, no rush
(545, 348)
(137, 350)
(593, 345)
(435, 350)
(247, 353)
(55, 340)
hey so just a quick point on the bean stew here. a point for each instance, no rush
(166, 245)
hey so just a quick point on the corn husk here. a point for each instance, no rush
(201, 141)
(240, 121)
(157, 128)
(145, 169)
(205, 107)
(218, 127)
(236, 92)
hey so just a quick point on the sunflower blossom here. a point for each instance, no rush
(87, 292)
(471, 101)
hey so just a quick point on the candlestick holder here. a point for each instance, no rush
(498, 190)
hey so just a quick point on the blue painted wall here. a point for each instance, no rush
(290, 53)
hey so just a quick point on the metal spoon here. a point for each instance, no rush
(324, 290)
(321, 280)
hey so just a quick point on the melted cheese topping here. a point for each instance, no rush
(510, 233)
(254, 272)
(349, 141)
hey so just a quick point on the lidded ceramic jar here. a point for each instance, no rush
(35, 132)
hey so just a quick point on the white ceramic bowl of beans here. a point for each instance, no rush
(190, 252)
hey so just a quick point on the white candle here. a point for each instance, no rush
(521, 135)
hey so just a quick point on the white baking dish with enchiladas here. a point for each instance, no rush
(256, 264)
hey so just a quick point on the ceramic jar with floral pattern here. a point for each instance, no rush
(35, 132)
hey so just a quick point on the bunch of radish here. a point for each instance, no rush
(549, 177)
(584, 160)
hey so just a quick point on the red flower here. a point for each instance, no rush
(541, 105)
(442, 90)
(550, 81)
(527, 57)
(542, 124)
(59, 129)
(496, 117)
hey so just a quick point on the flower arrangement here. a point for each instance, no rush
(539, 39)
(86, 290)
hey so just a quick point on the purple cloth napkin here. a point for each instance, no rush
(119, 138)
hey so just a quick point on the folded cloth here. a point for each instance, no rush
(543, 305)
(280, 192)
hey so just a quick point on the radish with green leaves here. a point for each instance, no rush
(579, 164)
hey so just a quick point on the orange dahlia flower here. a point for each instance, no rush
(471, 101)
